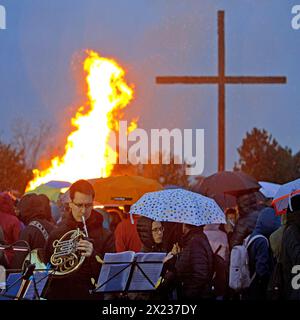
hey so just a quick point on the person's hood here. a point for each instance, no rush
(267, 222)
(33, 206)
(7, 204)
(293, 211)
(247, 203)
(144, 229)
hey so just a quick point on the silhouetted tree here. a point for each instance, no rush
(14, 175)
(32, 141)
(297, 165)
(263, 158)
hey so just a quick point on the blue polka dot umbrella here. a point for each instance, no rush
(178, 205)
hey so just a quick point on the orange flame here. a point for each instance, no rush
(87, 152)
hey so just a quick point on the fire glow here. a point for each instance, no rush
(87, 151)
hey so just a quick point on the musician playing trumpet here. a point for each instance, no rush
(73, 246)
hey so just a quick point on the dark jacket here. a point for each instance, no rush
(248, 214)
(77, 284)
(36, 240)
(291, 252)
(3, 258)
(194, 267)
(260, 255)
(10, 224)
(34, 209)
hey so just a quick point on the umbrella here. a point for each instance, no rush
(179, 205)
(122, 190)
(268, 189)
(225, 186)
(51, 189)
(282, 196)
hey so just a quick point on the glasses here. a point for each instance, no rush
(83, 205)
(156, 230)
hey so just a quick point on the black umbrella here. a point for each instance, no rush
(225, 186)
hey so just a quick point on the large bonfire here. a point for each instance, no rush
(87, 151)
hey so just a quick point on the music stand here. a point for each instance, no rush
(20, 288)
(130, 276)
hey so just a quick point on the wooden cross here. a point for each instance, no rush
(221, 80)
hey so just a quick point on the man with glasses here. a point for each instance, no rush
(97, 242)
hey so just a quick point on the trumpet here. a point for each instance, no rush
(66, 258)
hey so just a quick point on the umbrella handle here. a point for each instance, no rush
(131, 218)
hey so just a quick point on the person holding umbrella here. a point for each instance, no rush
(194, 267)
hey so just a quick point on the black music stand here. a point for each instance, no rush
(22, 282)
(22, 286)
(130, 276)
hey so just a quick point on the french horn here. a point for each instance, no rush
(66, 258)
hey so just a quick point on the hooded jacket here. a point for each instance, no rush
(10, 224)
(248, 214)
(194, 269)
(144, 228)
(77, 284)
(260, 254)
(291, 248)
(33, 208)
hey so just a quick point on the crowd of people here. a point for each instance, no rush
(198, 261)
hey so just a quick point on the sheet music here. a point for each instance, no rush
(138, 282)
(109, 270)
(152, 270)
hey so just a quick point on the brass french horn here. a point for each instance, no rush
(66, 258)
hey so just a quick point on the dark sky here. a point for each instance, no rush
(42, 42)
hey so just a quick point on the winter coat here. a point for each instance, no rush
(290, 255)
(248, 214)
(261, 260)
(126, 236)
(10, 224)
(193, 268)
(77, 284)
(33, 209)
(276, 242)
(11, 227)
(36, 240)
(3, 257)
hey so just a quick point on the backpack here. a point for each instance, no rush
(239, 273)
